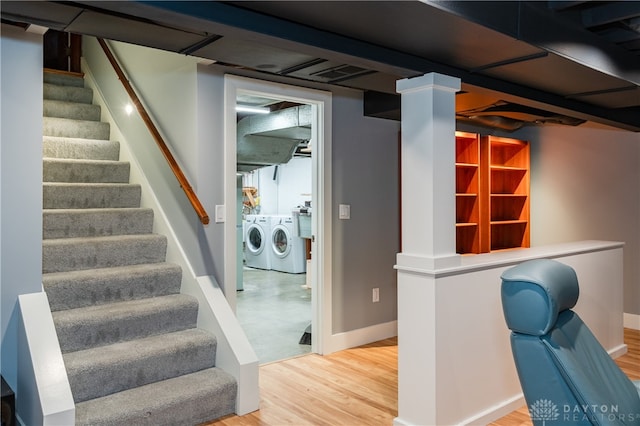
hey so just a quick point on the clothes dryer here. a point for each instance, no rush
(287, 248)
(257, 252)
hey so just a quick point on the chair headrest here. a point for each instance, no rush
(535, 292)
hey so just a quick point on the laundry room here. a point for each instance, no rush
(274, 255)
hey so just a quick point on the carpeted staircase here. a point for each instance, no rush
(129, 339)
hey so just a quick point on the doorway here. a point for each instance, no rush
(62, 51)
(318, 267)
(274, 165)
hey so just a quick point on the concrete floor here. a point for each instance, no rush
(274, 309)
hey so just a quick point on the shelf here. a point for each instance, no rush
(467, 192)
(469, 165)
(467, 238)
(467, 210)
(467, 179)
(508, 169)
(508, 152)
(465, 224)
(506, 207)
(509, 222)
(467, 148)
(509, 234)
(509, 181)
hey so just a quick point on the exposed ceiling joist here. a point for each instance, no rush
(608, 13)
(533, 23)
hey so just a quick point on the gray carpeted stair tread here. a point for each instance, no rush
(72, 254)
(90, 149)
(77, 223)
(114, 368)
(90, 195)
(87, 171)
(66, 127)
(90, 287)
(62, 79)
(101, 325)
(65, 93)
(186, 400)
(73, 110)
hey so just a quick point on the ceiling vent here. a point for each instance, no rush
(339, 73)
(326, 71)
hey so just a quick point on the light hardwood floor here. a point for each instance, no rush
(355, 387)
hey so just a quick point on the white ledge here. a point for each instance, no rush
(469, 263)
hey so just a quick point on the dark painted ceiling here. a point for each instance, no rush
(520, 63)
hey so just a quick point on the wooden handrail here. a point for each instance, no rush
(175, 168)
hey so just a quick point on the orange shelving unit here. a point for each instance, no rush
(508, 188)
(467, 193)
(492, 193)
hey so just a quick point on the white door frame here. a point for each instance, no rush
(320, 102)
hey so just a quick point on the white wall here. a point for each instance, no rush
(168, 84)
(172, 105)
(291, 187)
(585, 185)
(21, 182)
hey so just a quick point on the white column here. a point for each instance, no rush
(428, 168)
(428, 237)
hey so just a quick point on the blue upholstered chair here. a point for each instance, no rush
(566, 375)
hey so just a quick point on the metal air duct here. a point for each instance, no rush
(265, 140)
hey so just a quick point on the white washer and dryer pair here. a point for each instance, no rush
(257, 236)
(288, 252)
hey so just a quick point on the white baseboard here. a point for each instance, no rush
(485, 417)
(362, 336)
(497, 411)
(618, 351)
(632, 321)
(399, 422)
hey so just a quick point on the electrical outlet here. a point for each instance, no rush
(376, 295)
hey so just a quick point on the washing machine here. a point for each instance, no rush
(257, 234)
(287, 248)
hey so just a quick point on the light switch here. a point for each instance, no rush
(345, 211)
(220, 215)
